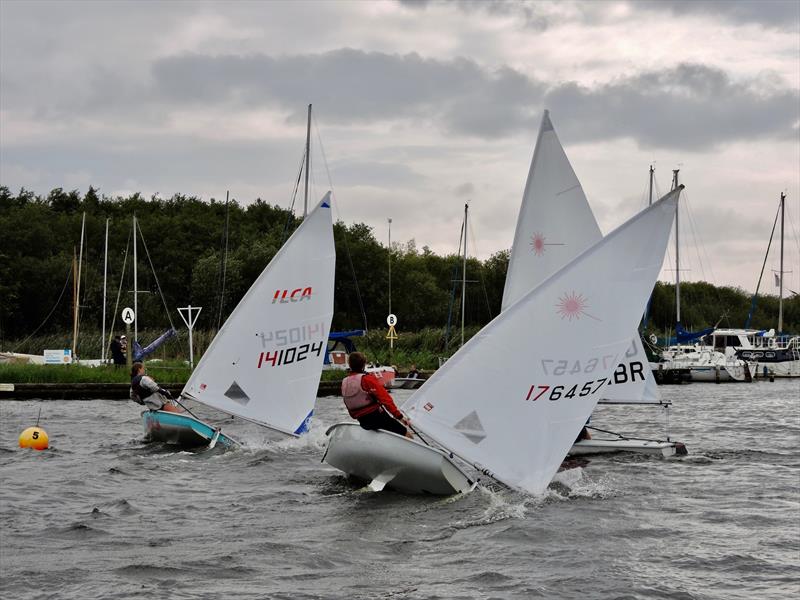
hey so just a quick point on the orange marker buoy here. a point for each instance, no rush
(34, 437)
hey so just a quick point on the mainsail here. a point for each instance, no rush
(512, 400)
(265, 362)
(555, 224)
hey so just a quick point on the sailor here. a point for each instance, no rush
(145, 391)
(117, 348)
(413, 373)
(368, 401)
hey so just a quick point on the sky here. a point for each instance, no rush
(419, 107)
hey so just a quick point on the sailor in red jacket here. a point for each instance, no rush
(368, 401)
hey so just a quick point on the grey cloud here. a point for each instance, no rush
(778, 14)
(465, 189)
(535, 14)
(357, 86)
(691, 106)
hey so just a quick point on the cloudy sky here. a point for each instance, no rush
(419, 106)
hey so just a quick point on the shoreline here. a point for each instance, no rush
(103, 391)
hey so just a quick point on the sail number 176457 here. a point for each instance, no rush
(558, 392)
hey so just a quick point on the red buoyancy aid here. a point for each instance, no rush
(356, 399)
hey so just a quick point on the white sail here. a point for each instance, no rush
(555, 224)
(512, 400)
(265, 362)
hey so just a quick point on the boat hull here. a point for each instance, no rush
(652, 447)
(406, 383)
(181, 430)
(387, 459)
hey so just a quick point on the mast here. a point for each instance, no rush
(76, 317)
(135, 290)
(308, 160)
(677, 254)
(105, 280)
(650, 197)
(464, 274)
(780, 290)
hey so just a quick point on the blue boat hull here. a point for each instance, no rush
(180, 429)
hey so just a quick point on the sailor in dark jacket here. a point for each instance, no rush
(144, 390)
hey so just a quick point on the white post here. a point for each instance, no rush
(390, 266)
(78, 291)
(190, 319)
(464, 275)
(105, 279)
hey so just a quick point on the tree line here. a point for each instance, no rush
(185, 239)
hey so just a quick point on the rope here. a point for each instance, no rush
(50, 314)
(623, 437)
(155, 276)
(290, 213)
(224, 266)
(344, 228)
(480, 273)
(764, 264)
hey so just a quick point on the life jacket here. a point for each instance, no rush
(139, 392)
(355, 398)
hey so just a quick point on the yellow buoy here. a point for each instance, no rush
(34, 437)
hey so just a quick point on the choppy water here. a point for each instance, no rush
(102, 515)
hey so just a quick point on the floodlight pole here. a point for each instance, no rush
(190, 319)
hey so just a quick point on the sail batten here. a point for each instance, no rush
(265, 362)
(513, 399)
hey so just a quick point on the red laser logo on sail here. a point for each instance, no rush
(573, 306)
(297, 295)
(537, 243)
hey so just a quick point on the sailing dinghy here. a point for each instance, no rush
(512, 400)
(265, 362)
(555, 224)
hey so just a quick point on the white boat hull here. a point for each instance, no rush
(386, 459)
(601, 446)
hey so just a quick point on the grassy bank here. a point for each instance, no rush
(169, 372)
(422, 348)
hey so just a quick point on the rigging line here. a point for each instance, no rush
(119, 292)
(52, 310)
(224, 259)
(454, 280)
(763, 265)
(290, 212)
(344, 227)
(155, 276)
(481, 272)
